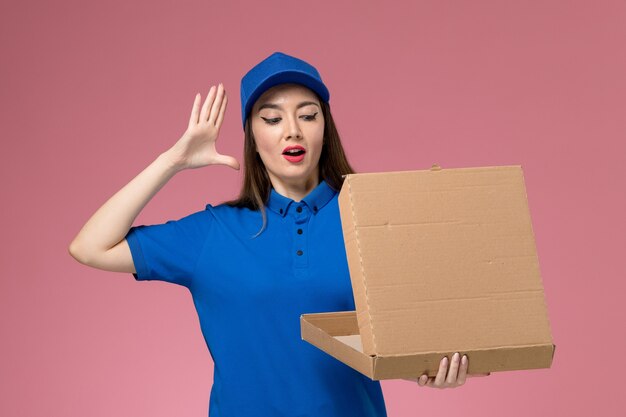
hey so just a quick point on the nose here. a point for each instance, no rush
(293, 129)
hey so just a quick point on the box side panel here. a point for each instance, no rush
(480, 361)
(533, 240)
(320, 338)
(355, 265)
(338, 323)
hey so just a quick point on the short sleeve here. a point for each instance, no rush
(169, 251)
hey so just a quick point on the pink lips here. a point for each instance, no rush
(294, 158)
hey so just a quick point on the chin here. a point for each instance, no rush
(294, 176)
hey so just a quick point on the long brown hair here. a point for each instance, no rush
(256, 187)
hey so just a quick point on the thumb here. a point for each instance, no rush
(227, 160)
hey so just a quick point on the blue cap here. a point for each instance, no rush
(278, 68)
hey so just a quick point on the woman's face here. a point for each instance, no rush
(288, 127)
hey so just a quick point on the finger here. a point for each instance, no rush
(440, 379)
(207, 104)
(454, 369)
(422, 380)
(215, 107)
(220, 116)
(460, 380)
(195, 111)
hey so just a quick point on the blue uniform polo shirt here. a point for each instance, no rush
(249, 294)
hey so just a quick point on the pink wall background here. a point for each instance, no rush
(92, 92)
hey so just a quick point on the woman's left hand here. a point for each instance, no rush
(448, 378)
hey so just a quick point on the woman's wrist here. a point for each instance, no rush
(172, 163)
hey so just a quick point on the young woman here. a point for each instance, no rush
(255, 264)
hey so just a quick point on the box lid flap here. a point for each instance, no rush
(443, 258)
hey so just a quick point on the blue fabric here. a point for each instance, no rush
(249, 294)
(278, 68)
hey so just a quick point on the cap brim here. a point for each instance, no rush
(297, 77)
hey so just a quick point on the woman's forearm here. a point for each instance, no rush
(100, 243)
(112, 221)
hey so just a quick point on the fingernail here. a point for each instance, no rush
(456, 357)
(464, 360)
(444, 360)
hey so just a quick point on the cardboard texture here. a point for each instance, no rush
(440, 260)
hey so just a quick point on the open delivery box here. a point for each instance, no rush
(441, 261)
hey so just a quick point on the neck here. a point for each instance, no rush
(295, 190)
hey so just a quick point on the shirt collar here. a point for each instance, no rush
(315, 200)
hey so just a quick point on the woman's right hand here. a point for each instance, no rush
(196, 148)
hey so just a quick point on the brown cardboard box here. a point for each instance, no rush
(441, 260)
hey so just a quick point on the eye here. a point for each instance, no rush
(271, 121)
(310, 117)
(307, 117)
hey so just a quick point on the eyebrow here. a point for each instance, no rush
(276, 106)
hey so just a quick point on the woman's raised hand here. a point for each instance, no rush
(196, 148)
